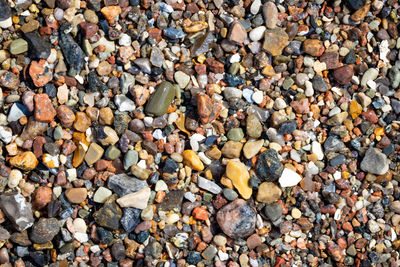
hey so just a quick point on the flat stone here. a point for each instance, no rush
(76, 195)
(44, 230)
(136, 200)
(101, 195)
(375, 162)
(18, 46)
(172, 201)
(17, 210)
(268, 192)
(237, 33)
(289, 178)
(275, 40)
(93, 154)
(122, 184)
(240, 177)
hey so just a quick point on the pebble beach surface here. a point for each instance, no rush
(182, 133)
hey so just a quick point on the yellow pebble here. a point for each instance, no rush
(345, 175)
(15, 19)
(296, 213)
(379, 131)
(238, 174)
(201, 58)
(191, 159)
(33, 8)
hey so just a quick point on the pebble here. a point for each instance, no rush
(257, 34)
(268, 192)
(191, 159)
(238, 174)
(237, 219)
(76, 195)
(289, 178)
(269, 167)
(375, 162)
(136, 200)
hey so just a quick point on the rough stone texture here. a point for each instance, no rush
(237, 219)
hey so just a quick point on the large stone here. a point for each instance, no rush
(38, 48)
(268, 166)
(251, 148)
(268, 192)
(313, 47)
(375, 162)
(76, 195)
(93, 154)
(270, 12)
(72, 51)
(161, 99)
(240, 177)
(44, 230)
(191, 159)
(237, 219)
(237, 33)
(17, 210)
(44, 110)
(289, 178)
(109, 214)
(207, 109)
(122, 184)
(232, 149)
(172, 201)
(26, 161)
(137, 199)
(275, 40)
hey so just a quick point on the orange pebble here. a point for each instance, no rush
(200, 214)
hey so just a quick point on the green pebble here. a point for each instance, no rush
(18, 46)
(112, 152)
(287, 83)
(130, 159)
(234, 68)
(235, 134)
(161, 99)
(371, 93)
(207, 197)
(58, 133)
(83, 213)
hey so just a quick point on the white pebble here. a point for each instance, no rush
(14, 178)
(316, 148)
(161, 186)
(289, 178)
(204, 158)
(257, 97)
(125, 40)
(80, 225)
(81, 237)
(235, 58)
(257, 34)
